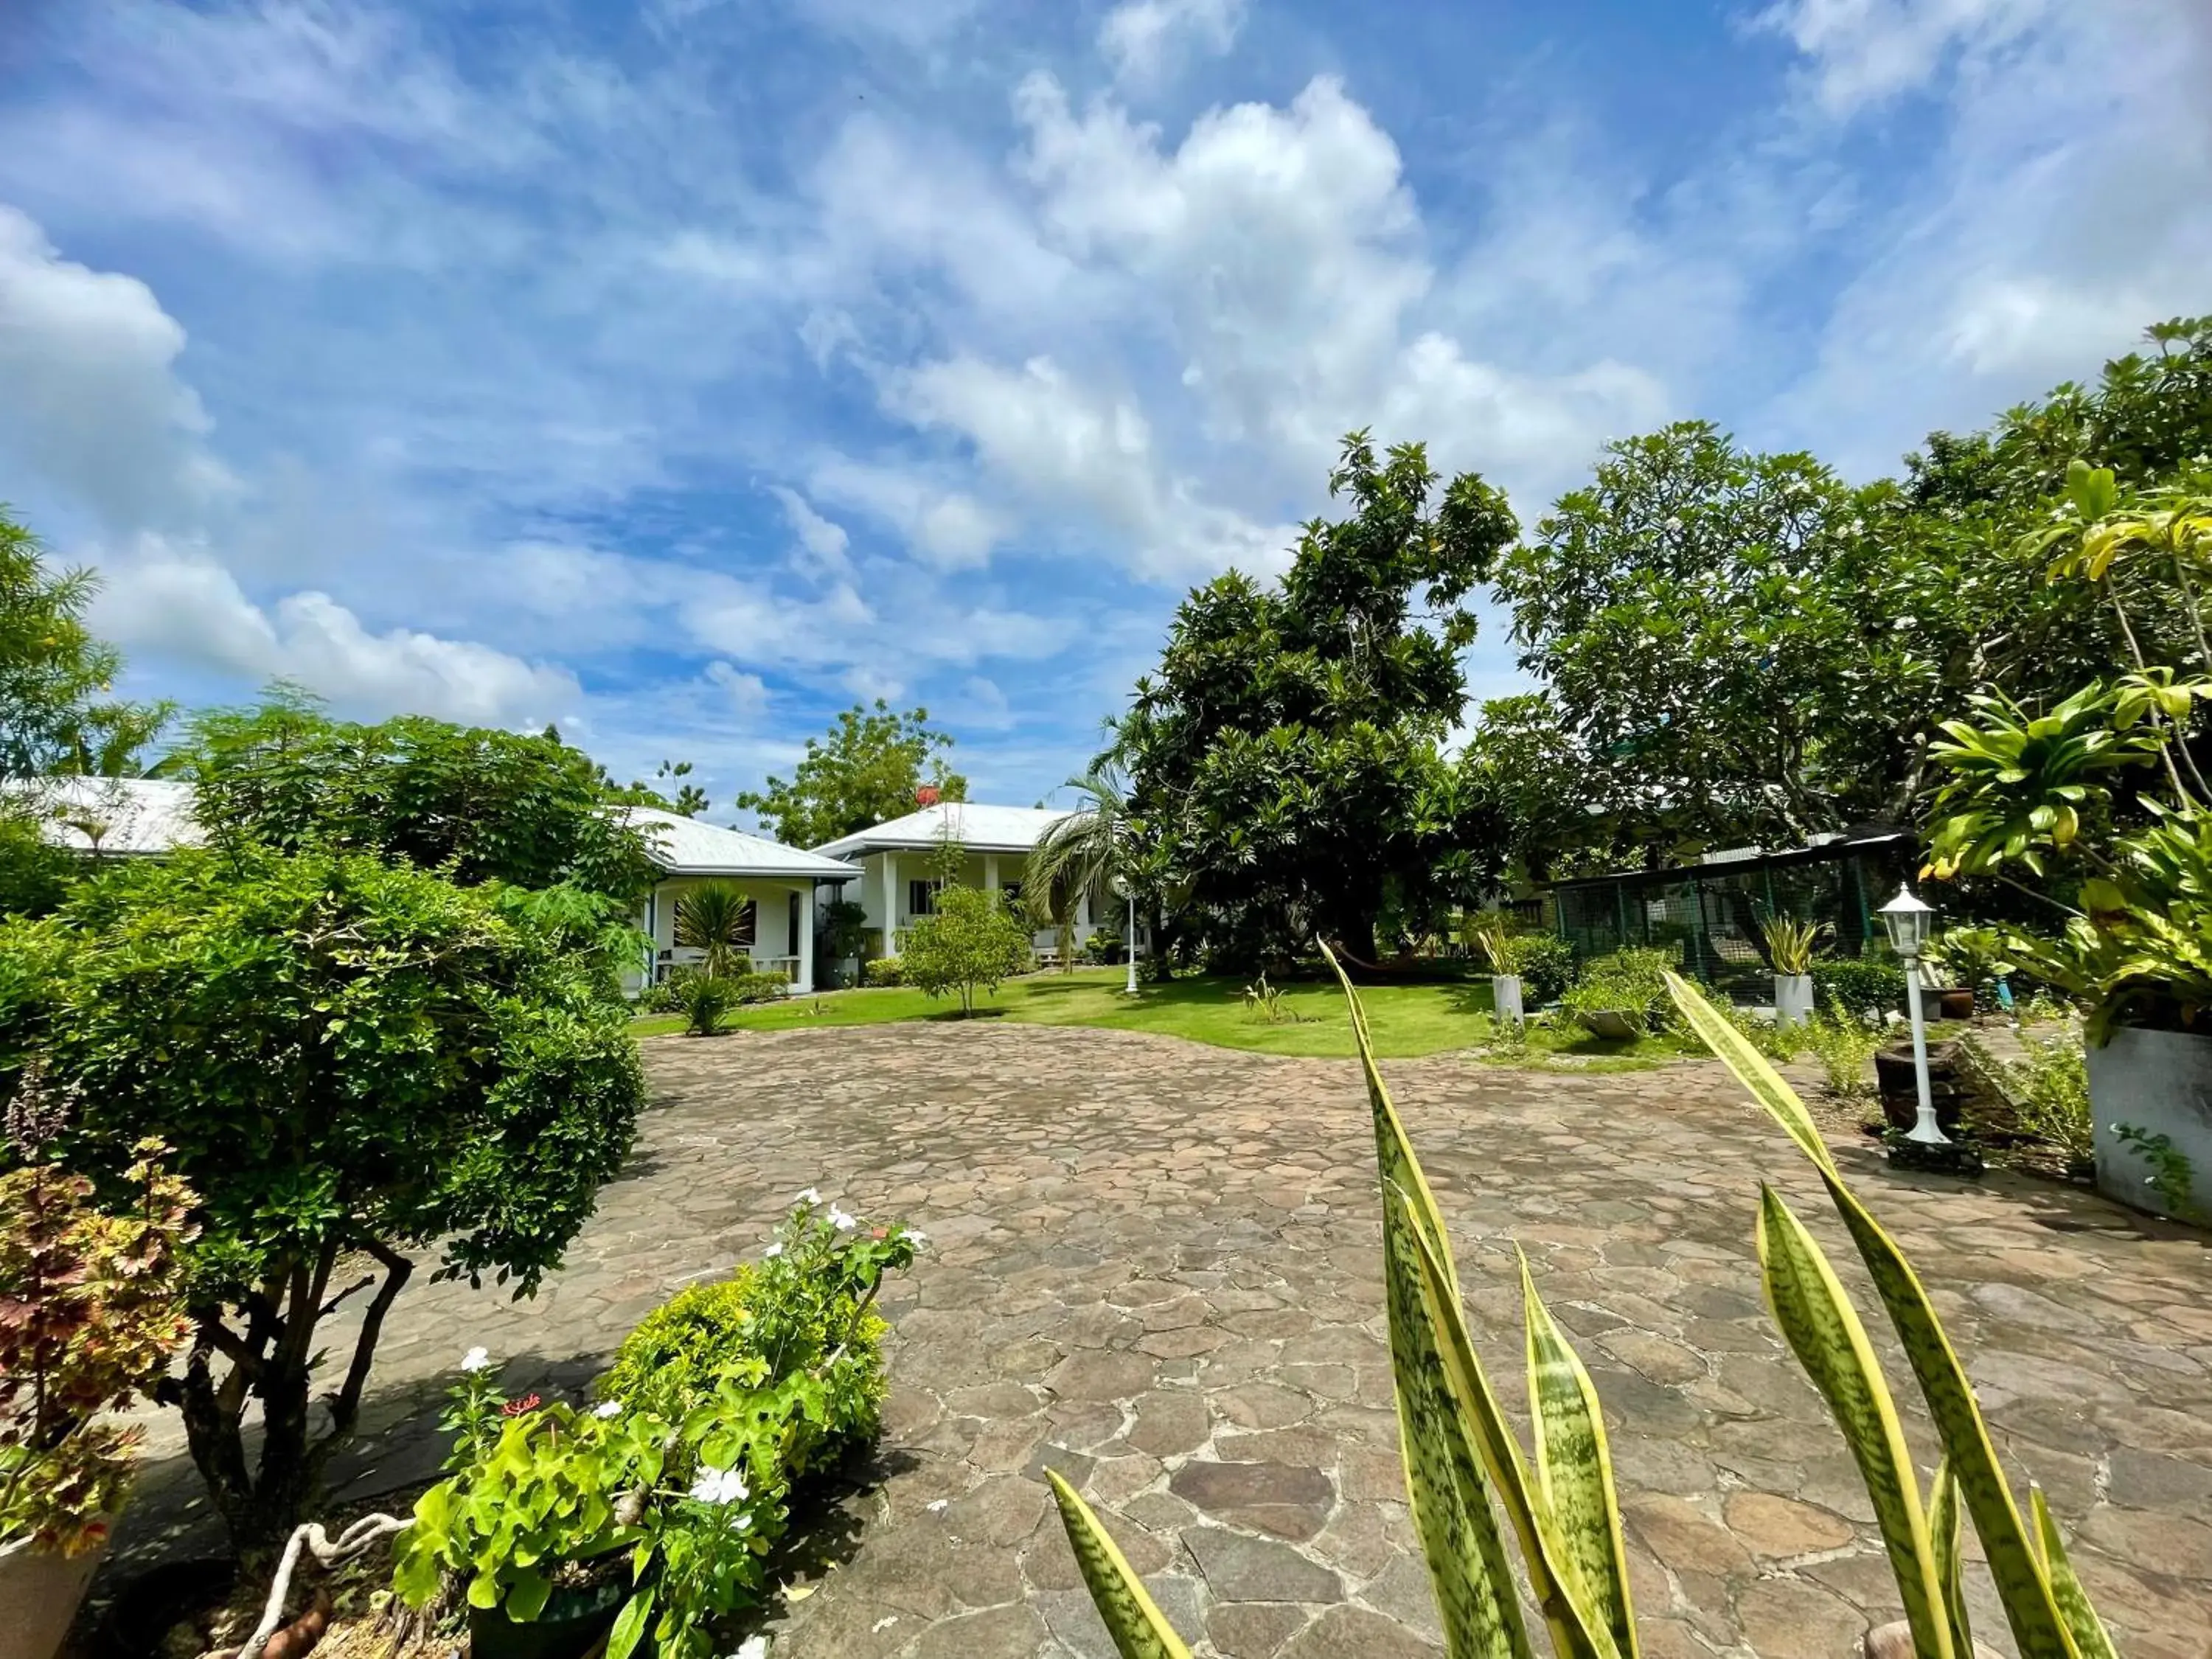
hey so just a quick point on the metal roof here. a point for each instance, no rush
(687, 846)
(130, 816)
(977, 827)
(1824, 852)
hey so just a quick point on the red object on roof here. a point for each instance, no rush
(925, 795)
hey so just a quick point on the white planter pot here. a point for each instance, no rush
(39, 1595)
(1793, 999)
(2160, 1083)
(1505, 997)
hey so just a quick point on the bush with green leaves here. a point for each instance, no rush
(1870, 988)
(675, 1487)
(1475, 1494)
(2045, 1091)
(769, 985)
(1632, 983)
(703, 1001)
(970, 941)
(1845, 1046)
(883, 972)
(348, 1058)
(1547, 968)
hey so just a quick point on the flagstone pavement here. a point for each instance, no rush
(1156, 1267)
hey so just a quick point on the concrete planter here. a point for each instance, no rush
(39, 1594)
(2160, 1083)
(1505, 997)
(1793, 999)
(1613, 1025)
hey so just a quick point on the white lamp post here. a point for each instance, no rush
(1907, 920)
(1124, 891)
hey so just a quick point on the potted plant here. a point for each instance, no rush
(1968, 962)
(89, 1316)
(1624, 995)
(2062, 794)
(1506, 952)
(1789, 947)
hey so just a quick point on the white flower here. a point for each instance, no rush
(1673, 526)
(475, 1359)
(841, 1221)
(753, 1647)
(719, 1486)
(607, 1410)
(811, 1195)
(772, 1251)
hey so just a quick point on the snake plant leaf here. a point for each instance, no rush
(2089, 1633)
(2031, 1607)
(1445, 1486)
(1947, 1531)
(1751, 1069)
(1133, 1618)
(1574, 1469)
(1578, 1626)
(1822, 1328)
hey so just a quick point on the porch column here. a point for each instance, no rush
(990, 872)
(803, 945)
(891, 903)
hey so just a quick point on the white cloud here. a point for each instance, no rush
(182, 604)
(92, 404)
(1861, 53)
(825, 543)
(1143, 39)
(950, 529)
(747, 692)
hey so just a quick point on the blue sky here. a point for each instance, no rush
(681, 370)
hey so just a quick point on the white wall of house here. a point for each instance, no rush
(891, 882)
(783, 934)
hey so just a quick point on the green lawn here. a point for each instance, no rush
(1404, 1020)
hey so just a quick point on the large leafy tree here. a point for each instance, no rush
(1283, 761)
(477, 804)
(864, 772)
(350, 1058)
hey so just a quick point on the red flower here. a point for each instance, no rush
(529, 1402)
(926, 795)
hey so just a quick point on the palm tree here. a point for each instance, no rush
(718, 920)
(1087, 850)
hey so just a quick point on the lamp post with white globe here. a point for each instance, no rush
(1124, 891)
(1908, 919)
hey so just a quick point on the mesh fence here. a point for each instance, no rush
(1712, 914)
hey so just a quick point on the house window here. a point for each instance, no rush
(921, 898)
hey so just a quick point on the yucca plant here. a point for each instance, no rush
(1464, 1464)
(1790, 943)
(1488, 932)
(718, 920)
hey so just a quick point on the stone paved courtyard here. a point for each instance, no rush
(1155, 1268)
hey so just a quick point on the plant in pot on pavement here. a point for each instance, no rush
(1507, 952)
(1622, 995)
(1475, 1494)
(90, 1313)
(1973, 960)
(648, 1518)
(1789, 947)
(2102, 787)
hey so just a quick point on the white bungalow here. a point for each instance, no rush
(781, 882)
(898, 862)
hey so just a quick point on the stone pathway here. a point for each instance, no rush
(1156, 1267)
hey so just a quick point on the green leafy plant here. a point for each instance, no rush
(2172, 1175)
(1631, 983)
(676, 1484)
(771, 985)
(1547, 968)
(2045, 1091)
(1491, 933)
(719, 920)
(1971, 959)
(970, 941)
(705, 999)
(1267, 1000)
(1466, 1467)
(348, 1058)
(1868, 989)
(91, 1310)
(1790, 944)
(869, 767)
(1772, 1037)
(884, 971)
(844, 926)
(1845, 1046)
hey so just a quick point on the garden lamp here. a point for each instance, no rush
(1908, 920)
(1124, 891)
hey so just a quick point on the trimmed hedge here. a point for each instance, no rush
(1868, 987)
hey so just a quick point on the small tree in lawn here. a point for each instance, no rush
(970, 940)
(350, 1060)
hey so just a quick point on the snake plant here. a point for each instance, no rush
(1465, 1467)
(1790, 943)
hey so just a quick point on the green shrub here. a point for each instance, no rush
(1631, 981)
(1547, 968)
(661, 999)
(704, 999)
(748, 989)
(1868, 987)
(1103, 948)
(884, 970)
(969, 942)
(1845, 1046)
(2047, 1091)
(677, 1482)
(1772, 1038)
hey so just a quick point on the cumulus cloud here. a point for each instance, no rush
(1859, 53)
(949, 528)
(824, 541)
(182, 604)
(1143, 39)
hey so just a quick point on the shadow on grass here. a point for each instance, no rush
(960, 1016)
